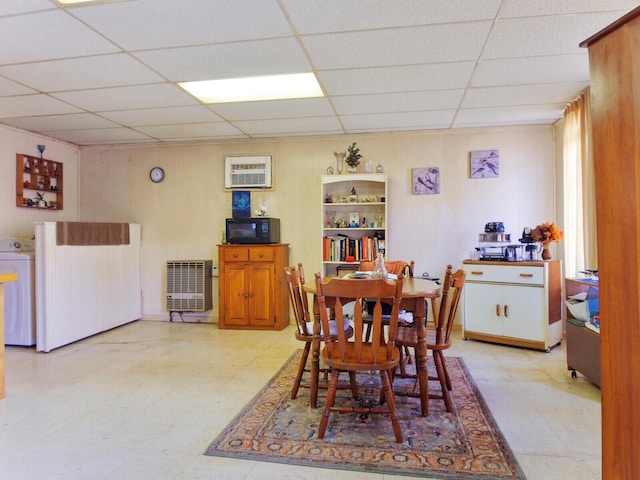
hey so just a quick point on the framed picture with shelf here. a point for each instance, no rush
(39, 183)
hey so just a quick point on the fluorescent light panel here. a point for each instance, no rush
(248, 89)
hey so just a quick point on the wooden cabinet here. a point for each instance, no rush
(252, 290)
(354, 216)
(517, 303)
(38, 183)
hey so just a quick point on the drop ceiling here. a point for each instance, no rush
(107, 73)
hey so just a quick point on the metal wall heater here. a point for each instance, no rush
(188, 286)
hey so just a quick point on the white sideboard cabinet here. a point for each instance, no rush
(514, 303)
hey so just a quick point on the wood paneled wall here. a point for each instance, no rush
(615, 100)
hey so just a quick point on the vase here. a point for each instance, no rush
(340, 161)
(546, 254)
(352, 169)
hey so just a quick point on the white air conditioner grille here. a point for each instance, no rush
(248, 172)
(189, 285)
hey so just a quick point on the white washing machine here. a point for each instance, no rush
(17, 255)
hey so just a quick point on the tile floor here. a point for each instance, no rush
(144, 401)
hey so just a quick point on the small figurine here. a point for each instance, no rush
(379, 168)
(328, 199)
(330, 170)
(27, 184)
(353, 191)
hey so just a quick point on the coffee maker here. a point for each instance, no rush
(530, 249)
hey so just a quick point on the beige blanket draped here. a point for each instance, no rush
(92, 233)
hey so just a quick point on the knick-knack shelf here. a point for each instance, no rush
(38, 183)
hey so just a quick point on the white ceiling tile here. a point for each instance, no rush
(311, 16)
(517, 115)
(26, 105)
(192, 130)
(530, 70)
(441, 76)
(81, 73)
(521, 95)
(290, 126)
(48, 35)
(533, 36)
(9, 88)
(307, 107)
(397, 102)
(147, 24)
(527, 8)
(403, 46)
(398, 121)
(127, 98)
(242, 59)
(101, 136)
(24, 6)
(71, 121)
(384, 66)
(163, 116)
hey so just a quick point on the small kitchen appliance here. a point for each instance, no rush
(496, 245)
(530, 247)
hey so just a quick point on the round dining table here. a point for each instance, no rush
(415, 293)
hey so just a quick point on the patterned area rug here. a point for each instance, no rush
(466, 445)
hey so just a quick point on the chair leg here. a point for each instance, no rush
(354, 385)
(331, 398)
(442, 377)
(301, 368)
(391, 402)
(446, 372)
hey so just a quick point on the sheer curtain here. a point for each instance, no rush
(580, 238)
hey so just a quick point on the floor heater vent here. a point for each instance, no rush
(189, 285)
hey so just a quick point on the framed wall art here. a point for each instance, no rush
(240, 204)
(426, 181)
(484, 164)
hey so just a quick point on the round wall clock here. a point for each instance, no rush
(156, 174)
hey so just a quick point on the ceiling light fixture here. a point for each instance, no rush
(247, 89)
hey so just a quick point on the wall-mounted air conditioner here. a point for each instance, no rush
(247, 171)
(189, 286)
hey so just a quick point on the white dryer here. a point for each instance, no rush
(17, 255)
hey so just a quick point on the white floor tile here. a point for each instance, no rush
(146, 399)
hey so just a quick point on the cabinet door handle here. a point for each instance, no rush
(506, 310)
(497, 309)
(235, 254)
(477, 273)
(526, 275)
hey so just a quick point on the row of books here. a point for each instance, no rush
(338, 248)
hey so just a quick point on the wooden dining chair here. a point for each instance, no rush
(393, 266)
(304, 332)
(344, 355)
(438, 339)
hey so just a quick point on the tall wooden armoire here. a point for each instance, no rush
(614, 61)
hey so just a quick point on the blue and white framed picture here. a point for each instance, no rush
(241, 204)
(484, 164)
(426, 181)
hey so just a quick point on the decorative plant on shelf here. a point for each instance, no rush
(353, 156)
(546, 233)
